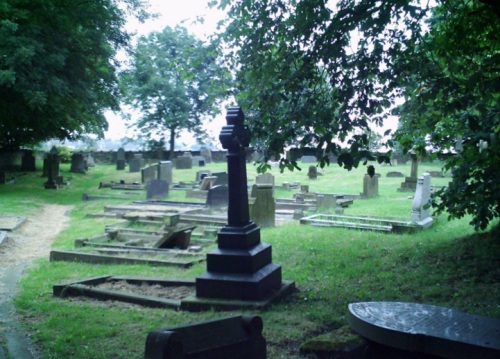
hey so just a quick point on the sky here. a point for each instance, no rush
(170, 13)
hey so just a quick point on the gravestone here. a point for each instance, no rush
(422, 330)
(241, 268)
(218, 196)
(263, 208)
(207, 183)
(370, 186)
(222, 178)
(77, 163)
(394, 174)
(238, 337)
(207, 155)
(90, 160)
(149, 173)
(156, 189)
(410, 183)
(52, 160)
(308, 159)
(265, 178)
(165, 172)
(120, 159)
(255, 156)
(183, 162)
(198, 161)
(136, 163)
(28, 162)
(202, 174)
(312, 173)
(420, 212)
(304, 188)
(326, 201)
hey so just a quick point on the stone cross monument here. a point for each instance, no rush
(241, 268)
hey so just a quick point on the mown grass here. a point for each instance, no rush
(448, 264)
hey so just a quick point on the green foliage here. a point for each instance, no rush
(451, 82)
(175, 81)
(64, 153)
(315, 72)
(57, 69)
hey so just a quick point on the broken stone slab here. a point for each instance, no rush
(427, 329)
(234, 337)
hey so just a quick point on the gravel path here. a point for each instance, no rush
(33, 239)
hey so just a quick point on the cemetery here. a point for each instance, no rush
(176, 257)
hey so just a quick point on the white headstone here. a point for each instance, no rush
(420, 212)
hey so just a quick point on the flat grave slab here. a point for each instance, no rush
(10, 223)
(362, 223)
(426, 329)
(150, 292)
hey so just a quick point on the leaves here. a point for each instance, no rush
(175, 81)
(57, 75)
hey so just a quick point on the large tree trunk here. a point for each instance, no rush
(170, 155)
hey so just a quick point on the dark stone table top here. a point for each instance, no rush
(427, 329)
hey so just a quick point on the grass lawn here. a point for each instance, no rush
(448, 265)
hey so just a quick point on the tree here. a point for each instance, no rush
(315, 73)
(175, 81)
(319, 71)
(452, 103)
(57, 67)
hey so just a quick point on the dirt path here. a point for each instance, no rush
(30, 241)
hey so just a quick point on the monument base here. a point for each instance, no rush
(236, 286)
(195, 304)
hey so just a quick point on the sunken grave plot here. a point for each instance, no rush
(148, 242)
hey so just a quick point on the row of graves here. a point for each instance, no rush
(224, 232)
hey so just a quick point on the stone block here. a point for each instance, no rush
(218, 196)
(183, 162)
(234, 337)
(156, 189)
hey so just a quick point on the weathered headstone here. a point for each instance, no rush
(202, 174)
(326, 201)
(198, 161)
(218, 196)
(234, 337)
(265, 179)
(149, 173)
(207, 183)
(423, 330)
(90, 160)
(410, 183)
(255, 156)
(120, 159)
(28, 162)
(51, 166)
(370, 186)
(263, 208)
(304, 188)
(312, 173)
(207, 155)
(156, 189)
(420, 212)
(165, 172)
(394, 174)
(136, 163)
(77, 163)
(241, 268)
(183, 162)
(308, 159)
(222, 178)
